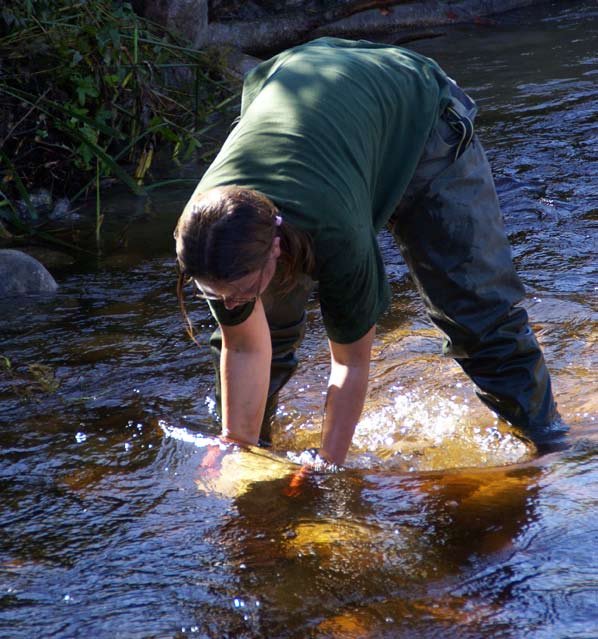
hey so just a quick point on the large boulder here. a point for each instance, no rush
(21, 274)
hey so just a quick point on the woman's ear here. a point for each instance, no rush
(275, 252)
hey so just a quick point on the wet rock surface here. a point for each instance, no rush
(42, 206)
(21, 274)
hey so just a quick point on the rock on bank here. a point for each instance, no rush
(21, 274)
(261, 26)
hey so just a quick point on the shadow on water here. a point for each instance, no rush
(444, 524)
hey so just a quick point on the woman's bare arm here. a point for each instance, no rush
(245, 375)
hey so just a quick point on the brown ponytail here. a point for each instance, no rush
(227, 232)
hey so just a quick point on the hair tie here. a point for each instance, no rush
(277, 220)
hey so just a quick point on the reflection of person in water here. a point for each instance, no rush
(337, 139)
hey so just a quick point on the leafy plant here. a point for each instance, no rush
(89, 91)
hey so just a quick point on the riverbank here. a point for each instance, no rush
(261, 27)
(92, 97)
(90, 94)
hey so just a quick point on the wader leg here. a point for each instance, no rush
(286, 318)
(452, 237)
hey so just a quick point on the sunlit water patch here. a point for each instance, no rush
(422, 432)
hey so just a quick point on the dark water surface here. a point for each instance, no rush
(443, 525)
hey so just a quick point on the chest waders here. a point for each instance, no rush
(450, 231)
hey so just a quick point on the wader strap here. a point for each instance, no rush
(463, 126)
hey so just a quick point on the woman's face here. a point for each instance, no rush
(245, 289)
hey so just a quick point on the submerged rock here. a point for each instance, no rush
(21, 274)
(63, 211)
(41, 201)
(45, 207)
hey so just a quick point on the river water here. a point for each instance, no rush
(115, 523)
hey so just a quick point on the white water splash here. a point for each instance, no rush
(418, 431)
(197, 439)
